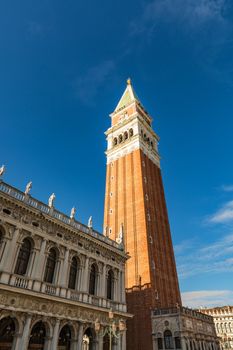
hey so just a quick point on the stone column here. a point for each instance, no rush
(3, 248)
(55, 335)
(119, 342)
(23, 342)
(85, 276)
(124, 341)
(9, 257)
(114, 345)
(80, 337)
(38, 268)
(100, 342)
(116, 288)
(103, 289)
(32, 262)
(123, 286)
(183, 343)
(120, 287)
(62, 280)
(57, 271)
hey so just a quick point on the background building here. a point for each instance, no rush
(58, 279)
(183, 328)
(223, 320)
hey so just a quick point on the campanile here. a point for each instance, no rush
(135, 200)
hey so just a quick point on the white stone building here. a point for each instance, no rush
(223, 320)
(58, 279)
(183, 328)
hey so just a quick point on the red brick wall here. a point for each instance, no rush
(131, 179)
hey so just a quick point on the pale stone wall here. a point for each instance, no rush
(28, 299)
(189, 330)
(223, 320)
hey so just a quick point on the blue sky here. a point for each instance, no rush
(63, 67)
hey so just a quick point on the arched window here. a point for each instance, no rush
(1, 240)
(168, 341)
(126, 135)
(92, 281)
(89, 339)
(23, 257)
(50, 266)
(1, 236)
(110, 284)
(73, 273)
(7, 333)
(64, 341)
(177, 342)
(120, 138)
(38, 336)
(114, 141)
(130, 132)
(160, 343)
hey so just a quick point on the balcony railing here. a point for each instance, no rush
(54, 290)
(182, 311)
(32, 202)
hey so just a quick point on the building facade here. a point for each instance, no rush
(58, 279)
(223, 320)
(135, 200)
(183, 328)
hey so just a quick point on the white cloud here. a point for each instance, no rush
(223, 215)
(210, 259)
(184, 246)
(227, 188)
(207, 298)
(191, 13)
(88, 84)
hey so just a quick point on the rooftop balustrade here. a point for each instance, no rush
(54, 213)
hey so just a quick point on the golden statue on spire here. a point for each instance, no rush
(128, 81)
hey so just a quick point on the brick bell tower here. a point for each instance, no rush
(135, 200)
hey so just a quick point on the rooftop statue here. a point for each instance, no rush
(51, 200)
(106, 231)
(90, 223)
(120, 238)
(2, 170)
(28, 188)
(72, 213)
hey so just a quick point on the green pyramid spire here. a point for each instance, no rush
(128, 96)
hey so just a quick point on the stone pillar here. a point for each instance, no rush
(9, 257)
(38, 268)
(55, 335)
(23, 342)
(62, 280)
(114, 344)
(100, 342)
(85, 276)
(119, 342)
(98, 285)
(3, 250)
(57, 271)
(32, 262)
(116, 288)
(183, 343)
(124, 341)
(119, 289)
(80, 337)
(123, 287)
(103, 287)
